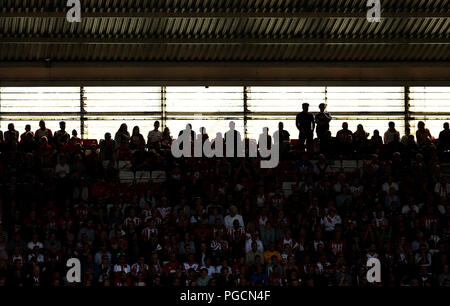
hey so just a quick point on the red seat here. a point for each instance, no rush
(88, 143)
(295, 142)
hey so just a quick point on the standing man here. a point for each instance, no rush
(43, 132)
(390, 134)
(154, 137)
(305, 124)
(11, 137)
(323, 119)
(283, 138)
(61, 136)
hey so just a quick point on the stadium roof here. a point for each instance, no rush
(232, 32)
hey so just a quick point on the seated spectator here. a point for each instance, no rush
(392, 200)
(62, 169)
(305, 167)
(121, 268)
(386, 187)
(204, 278)
(259, 277)
(423, 257)
(442, 188)
(253, 238)
(331, 220)
(272, 256)
(35, 242)
(191, 264)
(45, 151)
(251, 256)
(321, 167)
(395, 146)
(422, 134)
(444, 277)
(74, 141)
(233, 215)
(410, 207)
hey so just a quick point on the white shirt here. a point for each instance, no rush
(154, 136)
(219, 269)
(229, 221)
(32, 244)
(248, 245)
(338, 187)
(406, 209)
(211, 270)
(122, 268)
(357, 189)
(386, 186)
(443, 191)
(329, 222)
(62, 171)
(389, 136)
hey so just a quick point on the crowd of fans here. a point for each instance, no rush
(225, 221)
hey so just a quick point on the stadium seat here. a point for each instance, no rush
(126, 176)
(88, 143)
(158, 176)
(142, 176)
(123, 164)
(287, 188)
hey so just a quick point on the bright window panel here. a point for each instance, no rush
(365, 99)
(122, 99)
(284, 99)
(430, 99)
(96, 127)
(204, 100)
(256, 125)
(213, 125)
(40, 99)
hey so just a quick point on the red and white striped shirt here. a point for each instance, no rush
(148, 232)
(188, 266)
(137, 268)
(135, 220)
